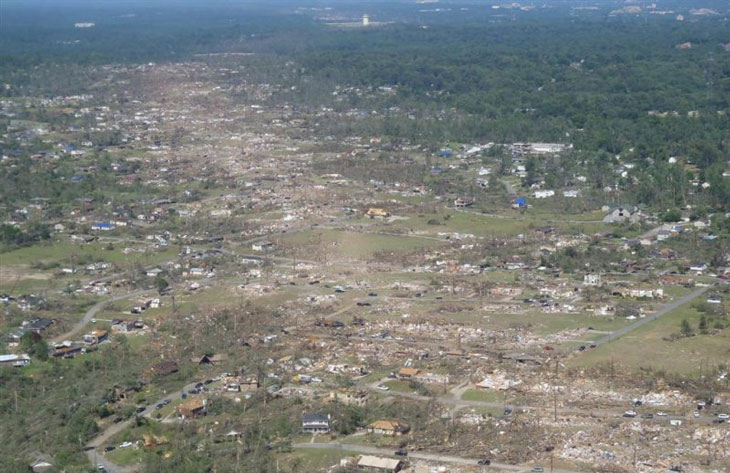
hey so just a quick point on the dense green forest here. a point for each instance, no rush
(608, 84)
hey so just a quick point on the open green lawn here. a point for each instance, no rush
(316, 459)
(482, 396)
(647, 346)
(125, 456)
(64, 252)
(397, 385)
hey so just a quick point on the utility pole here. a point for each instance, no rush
(634, 460)
(552, 458)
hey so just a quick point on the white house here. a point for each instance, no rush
(14, 360)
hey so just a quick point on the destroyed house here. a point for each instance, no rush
(388, 427)
(161, 369)
(375, 464)
(192, 408)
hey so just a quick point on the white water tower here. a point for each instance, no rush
(365, 20)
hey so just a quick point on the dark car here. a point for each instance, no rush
(208, 381)
(484, 462)
(160, 405)
(109, 448)
(581, 348)
(401, 452)
(199, 385)
(363, 304)
(507, 411)
(647, 416)
(193, 391)
(183, 396)
(140, 409)
(373, 294)
(118, 420)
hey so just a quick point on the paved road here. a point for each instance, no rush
(664, 310)
(95, 445)
(79, 326)
(418, 455)
(454, 401)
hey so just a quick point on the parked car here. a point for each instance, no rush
(630, 414)
(109, 448)
(101, 468)
(401, 452)
(484, 462)
(126, 445)
(118, 420)
(382, 388)
(140, 409)
(538, 469)
(723, 416)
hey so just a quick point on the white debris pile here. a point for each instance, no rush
(498, 381)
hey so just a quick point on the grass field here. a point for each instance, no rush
(482, 396)
(647, 346)
(400, 386)
(64, 252)
(316, 459)
(125, 456)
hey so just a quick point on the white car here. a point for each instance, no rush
(126, 445)
(723, 416)
(696, 414)
(661, 414)
(382, 388)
